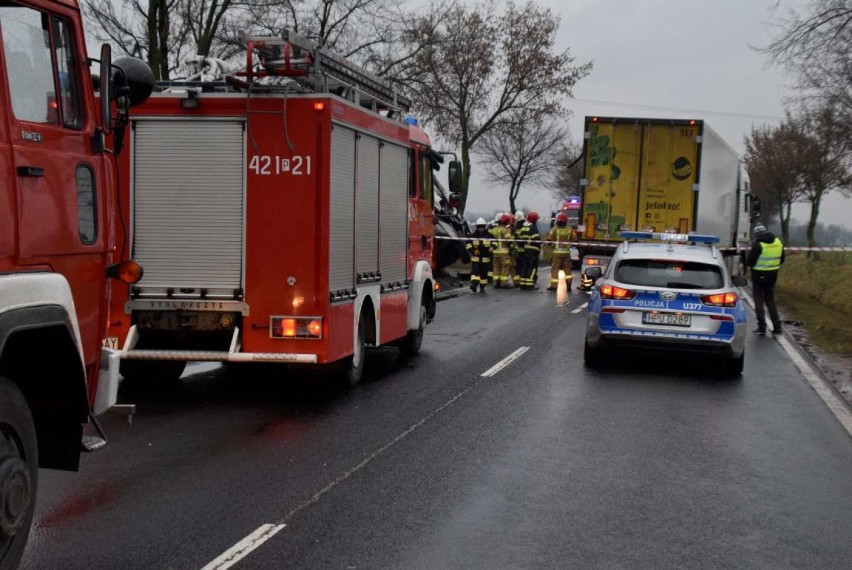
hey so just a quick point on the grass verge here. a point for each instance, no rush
(818, 292)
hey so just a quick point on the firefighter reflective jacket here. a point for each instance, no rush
(480, 247)
(503, 237)
(528, 237)
(561, 238)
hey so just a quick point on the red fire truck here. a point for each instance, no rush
(282, 214)
(57, 245)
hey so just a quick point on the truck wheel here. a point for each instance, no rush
(410, 344)
(152, 371)
(18, 473)
(354, 365)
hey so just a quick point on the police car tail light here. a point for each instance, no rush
(720, 300)
(616, 293)
(295, 327)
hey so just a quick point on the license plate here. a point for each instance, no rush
(667, 319)
(110, 342)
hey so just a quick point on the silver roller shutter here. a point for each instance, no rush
(341, 259)
(367, 207)
(394, 213)
(188, 205)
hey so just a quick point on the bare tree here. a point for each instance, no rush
(774, 170)
(478, 67)
(824, 150)
(203, 19)
(522, 148)
(143, 29)
(567, 171)
(817, 44)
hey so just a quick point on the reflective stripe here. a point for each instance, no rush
(770, 256)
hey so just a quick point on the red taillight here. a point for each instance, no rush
(616, 293)
(295, 327)
(612, 310)
(720, 300)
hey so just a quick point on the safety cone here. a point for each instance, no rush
(561, 290)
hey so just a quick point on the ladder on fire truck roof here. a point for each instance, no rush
(316, 69)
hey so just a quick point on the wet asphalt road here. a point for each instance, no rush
(652, 462)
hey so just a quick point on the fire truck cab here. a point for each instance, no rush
(283, 214)
(56, 246)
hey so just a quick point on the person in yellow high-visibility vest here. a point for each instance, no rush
(765, 258)
(502, 258)
(560, 237)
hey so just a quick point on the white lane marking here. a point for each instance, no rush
(349, 473)
(244, 547)
(837, 407)
(580, 308)
(505, 362)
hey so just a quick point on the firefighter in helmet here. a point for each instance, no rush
(529, 240)
(517, 248)
(559, 238)
(502, 255)
(479, 247)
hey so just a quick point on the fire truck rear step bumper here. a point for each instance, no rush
(202, 356)
(129, 352)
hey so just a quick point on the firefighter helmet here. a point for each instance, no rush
(506, 219)
(532, 217)
(480, 222)
(561, 218)
(519, 216)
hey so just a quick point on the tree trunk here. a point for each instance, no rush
(163, 38)
(153, 47)
(812, 221)
(465, 156)
(786, 212)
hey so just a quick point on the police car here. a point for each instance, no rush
(673, 293)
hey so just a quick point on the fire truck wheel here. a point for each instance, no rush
(353, 367)
(18, 473)
(410, 344)
(152, 371)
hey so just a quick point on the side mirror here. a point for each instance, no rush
(593, 272)
(454, 175)
(106, 88)
(739, 281)
(754, 211)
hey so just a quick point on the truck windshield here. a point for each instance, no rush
(671, 274)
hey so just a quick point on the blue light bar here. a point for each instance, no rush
(662, 236)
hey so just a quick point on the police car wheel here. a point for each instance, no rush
(733, 367)
(591, 356)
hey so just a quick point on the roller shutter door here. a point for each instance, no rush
(188, 206)
(394, 213)
(341, 271)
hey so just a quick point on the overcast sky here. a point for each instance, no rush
(689, 56)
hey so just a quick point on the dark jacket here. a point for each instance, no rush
(754, 255)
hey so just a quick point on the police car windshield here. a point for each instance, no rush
(671, 274)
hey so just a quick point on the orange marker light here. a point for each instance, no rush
(319, 106)
(315, 328)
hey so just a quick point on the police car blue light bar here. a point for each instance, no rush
(662, 236)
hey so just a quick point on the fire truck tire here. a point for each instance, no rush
(353, 367)
(152, 371)
(411, 342)
(18, 473)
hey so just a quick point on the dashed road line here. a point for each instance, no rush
(244, 547)
(505, 362)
